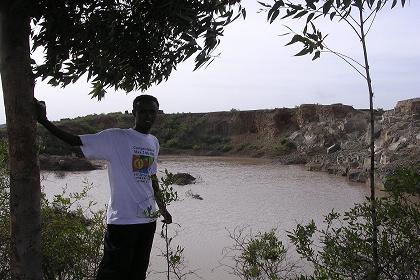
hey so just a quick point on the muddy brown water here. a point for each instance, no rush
(237, 192)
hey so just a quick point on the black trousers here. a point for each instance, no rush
(126, 252)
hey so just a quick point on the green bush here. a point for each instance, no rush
(346, 239)
(226, 148)
(4, 226)
(258, 257)
(71, 236)
(172, 143)
(283, 146)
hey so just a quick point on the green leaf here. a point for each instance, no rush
(243, 11)
(275, 14)
(313, 37)
(274, 10)
(278, 4)
(296, 38)
(295, 7)
(264, 4)
(378, 5)
(317, 55)
(311, 5)
(394, 3)
(327, 7)
(346, 3)
(300, 14)
(303, 52)
(289, 13)
(310, 17)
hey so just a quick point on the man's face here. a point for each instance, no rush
(145, 114)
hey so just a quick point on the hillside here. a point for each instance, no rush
(332, 138)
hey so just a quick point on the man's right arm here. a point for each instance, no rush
(41, 114)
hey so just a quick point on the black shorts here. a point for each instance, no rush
(126, 251)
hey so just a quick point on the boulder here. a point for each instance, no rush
(183, 179)
(401, 143)
(357, 175)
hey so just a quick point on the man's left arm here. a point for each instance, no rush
(167, 218)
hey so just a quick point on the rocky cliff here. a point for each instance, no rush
(397, 142)
(332, 138)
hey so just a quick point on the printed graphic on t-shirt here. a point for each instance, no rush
(142, 161)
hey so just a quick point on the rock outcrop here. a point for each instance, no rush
(345, 138)
(333, 138)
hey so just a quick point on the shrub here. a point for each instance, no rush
(225, 148)
(283, 146)
(71, 234)
(346, 239)
(72, 237)
(257, 257)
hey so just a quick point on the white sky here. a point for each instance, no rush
(256, 71)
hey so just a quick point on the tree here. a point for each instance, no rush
(359, 15)
(124, 44)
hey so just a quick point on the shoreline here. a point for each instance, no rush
(65, 164)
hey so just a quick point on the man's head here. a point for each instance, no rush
(145, 109)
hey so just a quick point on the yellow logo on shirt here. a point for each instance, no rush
(141, 163)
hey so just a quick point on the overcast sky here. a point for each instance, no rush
(256, 71)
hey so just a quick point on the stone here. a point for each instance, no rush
(385, 159)
(183, 179)
(357, 175)
(401, 143)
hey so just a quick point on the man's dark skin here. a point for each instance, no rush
(145, 115)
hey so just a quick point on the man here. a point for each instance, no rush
(131, 155)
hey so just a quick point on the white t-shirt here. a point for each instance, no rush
(131, 158)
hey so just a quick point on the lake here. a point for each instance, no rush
(237, 192)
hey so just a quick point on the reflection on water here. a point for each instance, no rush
(236, 192)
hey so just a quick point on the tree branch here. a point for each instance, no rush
(346, 59)
(348, 22)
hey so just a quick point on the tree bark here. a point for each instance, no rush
(18, 91)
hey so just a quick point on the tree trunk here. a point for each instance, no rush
(18, 87)
(375, 255)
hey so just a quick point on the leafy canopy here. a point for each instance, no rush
(125, 44)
